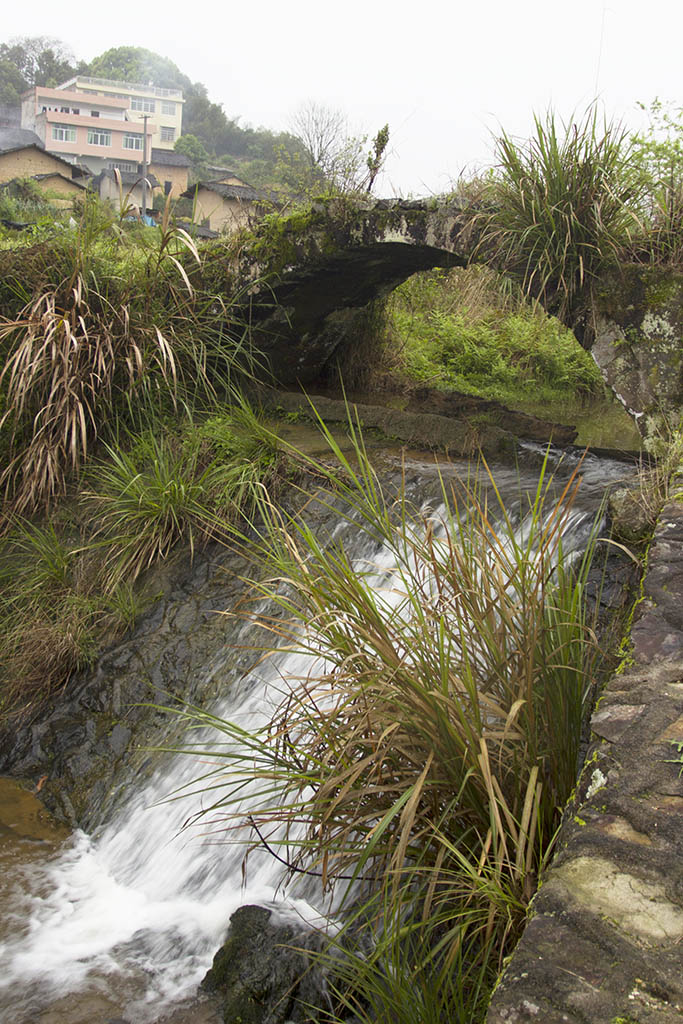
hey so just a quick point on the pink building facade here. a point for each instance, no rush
(86, 129)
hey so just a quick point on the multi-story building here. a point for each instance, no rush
(85, 129)
(92, 121)
(164, 107)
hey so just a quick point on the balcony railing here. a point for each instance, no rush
(151, 90)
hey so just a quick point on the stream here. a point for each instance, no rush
(121, 925)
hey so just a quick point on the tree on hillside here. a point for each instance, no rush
(137, 64)
(12, 83)
(192, 148)
(335, 159)
(205, 119)
(323, 132)
(33, 60)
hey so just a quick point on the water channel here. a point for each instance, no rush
(122, 924)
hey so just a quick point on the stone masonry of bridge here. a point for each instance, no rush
(314, 274)
(311, 276)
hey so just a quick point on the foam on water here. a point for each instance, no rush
(139, 909)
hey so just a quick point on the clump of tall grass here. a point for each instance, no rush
(563, 205)
(55, 612)
(428, 749)
(186, 486)
(658, 152)
(70, 586)
(103, 326)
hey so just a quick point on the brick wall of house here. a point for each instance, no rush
(176, 175)
(227, 215)
(24, 163)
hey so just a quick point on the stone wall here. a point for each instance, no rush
(24, 163)
(604, 940)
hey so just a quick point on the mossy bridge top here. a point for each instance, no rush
(311, 278)
(312, 275)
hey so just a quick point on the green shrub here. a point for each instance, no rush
(487, 342)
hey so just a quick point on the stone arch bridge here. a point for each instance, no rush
(311, 276)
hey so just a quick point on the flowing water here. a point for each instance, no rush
(123, 924)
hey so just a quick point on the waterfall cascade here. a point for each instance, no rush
(124, 923)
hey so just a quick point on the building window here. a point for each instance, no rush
(63, 110)
(122, 165)
(168, 108)
(168, 185)
(97, 138)
(75, 110)
(63, 133)
(167, 134)
(146, 106)
(132, 141)
(94, 113)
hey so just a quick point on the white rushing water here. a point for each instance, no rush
(137, 911)
(146, 902)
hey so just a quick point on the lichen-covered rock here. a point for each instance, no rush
(638, 341)
(262, 973)
(604, 940)
(632, 520)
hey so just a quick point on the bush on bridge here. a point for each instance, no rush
(562, 205)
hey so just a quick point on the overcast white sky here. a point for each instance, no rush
(443, 74)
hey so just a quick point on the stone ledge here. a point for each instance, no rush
(604, 941)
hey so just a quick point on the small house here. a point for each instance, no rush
(123, 186)
(227, 206)
(171, 169)
(22, 155)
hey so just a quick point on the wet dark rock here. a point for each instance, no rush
(101, 725)
(262, 973)
(453, 423)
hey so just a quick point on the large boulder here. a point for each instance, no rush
(638, 342)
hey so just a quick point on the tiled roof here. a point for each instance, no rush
(169, 158)
(128, 178)
(244, 192)
(57, 174)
